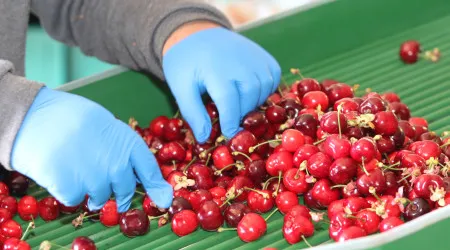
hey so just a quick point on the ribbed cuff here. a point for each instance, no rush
(181, 14)
(16, 96)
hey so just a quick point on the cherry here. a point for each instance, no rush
(385, 144)
(68, 210)
(426, 183)
(351, 232)
(303, 153)
(319, 165)
(173, 130)
(28, 208)
(242, 142)
(355, 132)
(224, 181)
(385, 123)
(330, 122)
(182, 192)
(363, 150)
(48, 208)
(273, 99)
(237, 188)
(255, 122)
(157, 125)
(327, 83)
(430, 136)
(389, 223)
(339, 222)
(372, 105)
(342, 170)
(315, 98)
(202, 175)
(307, 85)
(276, 114)
(234, 213)
(311, 202)
(418, 121)
(260, 201)
(294, 181)
(222, 157)
(336, 207)
(427, 149)
(198, 196)
(171, 151)
(134, 222)
(400, 110)
(292, 139)
(350, 190)
(337, 146)
(323, 193)
(4, 190)
(391, 183)
(10, 229)
(307, 124)
(347, 105)
(257, 171)
(368, 220)
(5, 215)
(150, 208)
(416, 208)
(209, 216)
(16, 244)
(390, 97)
(17, 183)
(296, 228)
(275, 188)
(178, 204)
(374, 178)
(339, 91)
(419, 130)
(109, 216)
(251, 227)
(409, 51)
(279, 162)
(9, 203)
(184, 223)
(285, 201)
(83, 243)
(211, 108)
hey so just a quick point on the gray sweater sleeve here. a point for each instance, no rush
(126, 32)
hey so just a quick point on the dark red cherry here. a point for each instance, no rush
(347, 105)
(157, 125)
(83, 243)
(409, 51)
(17, 183)
(198, 196)
(374, 178)
(307, 124)
(213, 113)
(400, 110)
(173, 130)
(209, 216)
(425, 184)
(242, 142)
(256, 123)
(234, 213)
(407, 129)
(372, 105)
(339, 91)
(257, 171)
(178, 204)
(134, 222)
(307, 85)
(171, 151)
(416, 208)
(343, 170)
(385, 123)
(330, 122)
(292, 107)
(202, 175)
(48, 209)
(276, 114)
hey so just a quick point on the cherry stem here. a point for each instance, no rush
(251, 149)
(240, 153)
(207, 160)
(139, 192)
(307, 243)
(280, 90)
(28, 230)
(338, 186)
(53, 244)
(374, 193)
(90, 216)
(264, 195)
(267, 182)
(445, 144)
(189, 164)
(270, 215)
(203, 154)
(353, 217)
(156, 217)
(284, 81)
(174, 165)
(391, 167)
(222, 229)
(404, 178)
(296, 174)
(218, 172)
(339, 120)
(364, 168)
(279, 181)
(177, 114)
(319, 141)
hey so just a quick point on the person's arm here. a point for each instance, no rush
(129, 33)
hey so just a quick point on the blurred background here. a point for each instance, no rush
(53, 63)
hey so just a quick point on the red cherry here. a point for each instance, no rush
(294, 180)
(418, 121)
(391, 209)
(10, 229)
(409, 51)
(4, 190)
(307, 124)
(9, 203)
(255, 122)
(178, 204)
(292, 139)
(251, 227)
(109, 216)
(296, 227)
(260, 201)
(199, 196)
(237, 187)
(330, 122)
(28, 208)
(374, 178)
(400, 110)
(257, 171)
(234, 213)
(276, 114)
(307, 85)
(157, 125)
(83, 243)
(273, 186)
(5, 215)
(273, 99)
(389, 223)
(285, 201)
(292, 106)
(242, 142)
(212, 110)
(323, 193)
(222, 157)
(363, 149)
(279, 162)
(347, 104)
(315, 98)
(426, 183)
(351, 232)
(134, 222)
(327, 83)
(368, 220)
(385, 123)
(343, 170)
(335, 208)
(184, 223)
(372, 105)
(48, 209)
(202, 175)
(311, 202)
(303, 153)
(150, 208)
(337, 146)
(224, 181)
(319, 165)
(16, 244)
(173, 130)
(171, 151)
(68, 210)
(339, 91)
(209, 216)
(427, 149)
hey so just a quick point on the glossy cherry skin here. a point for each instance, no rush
(83, 243)
(48, 209)
(276, 114)
(286, 200)
(28, 208)
(409, 51)
(209, 216)
(389, 223)
(109, 216)
(255, 122)
(260, 203)
(4, 190)
(198, 196)
(16, 244)
(134, 222)
(337, 147)
(342, 170)
(157, 125)
(330, 122)
(307, 85)
(178, 204)
(241, 142)
(351, 232)
(5, 215)
(294, 181)
(279, 162)
(363, 149)
(238, 184)
(222, 157)
(68, 210)
(234, 213)
(319, 165)
(9, 203)
(368, 220)
(323, 194)
(17, 183)
(339, 91)
(425, 182)
(385, 123)
(273, 186)
(202, 175)
(296, 227)
(375, 178)
(10, 229)
(257, 171)
(171, 151)
(347, 104)
(400, 110)
(339, 222)
(173, 130)
(251, 227)
(426, 149)
(292, 139)
(150, 208)
(307, 124)
(304, 153)
(184, 223)
(315, 98)
(416, 208)
(292, 106)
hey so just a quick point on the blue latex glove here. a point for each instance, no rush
(238, 75)
(72, 147)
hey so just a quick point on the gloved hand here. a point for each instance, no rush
(238, 75)
(72, 147)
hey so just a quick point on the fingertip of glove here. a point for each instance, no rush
(162, 196)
